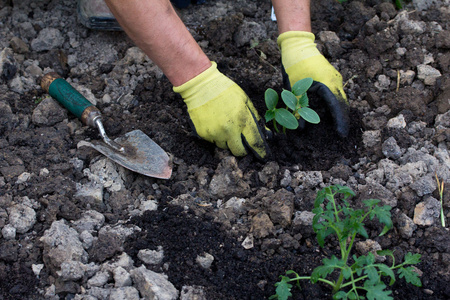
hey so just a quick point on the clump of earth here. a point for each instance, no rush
(75, 225)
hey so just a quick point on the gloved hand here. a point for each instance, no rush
(301, 59)
(222, 113)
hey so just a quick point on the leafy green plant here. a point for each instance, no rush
(441, 197)
(363, 275)
(297, 103)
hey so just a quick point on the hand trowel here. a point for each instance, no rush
(134, 151)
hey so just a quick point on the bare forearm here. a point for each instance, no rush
(156, 28)
(292, 15)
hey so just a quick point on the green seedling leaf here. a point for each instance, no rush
(377, 291)
(386, 271)
(372, 274)
(359, 227)
(347, 272)
(301, 86)
(410, 276)
(384, 216)
(346, 191)
(340, 295)
(371, 202)
(270, 115)
(271, 98)
(289, 99)
(303, 101)
(283, 289)
(286, 119)
(309, 115)
(412, 259)
(327, 268)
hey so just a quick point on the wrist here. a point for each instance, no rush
(296, 46)
(204, 87)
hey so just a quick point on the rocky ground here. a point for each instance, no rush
(74, 225)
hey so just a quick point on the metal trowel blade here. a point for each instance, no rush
(141, 155)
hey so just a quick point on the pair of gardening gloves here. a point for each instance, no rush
(223, 114)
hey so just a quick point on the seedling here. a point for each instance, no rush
(441, 197)
(297, 103)
(363, 275)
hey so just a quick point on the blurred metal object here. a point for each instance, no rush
(95, 14)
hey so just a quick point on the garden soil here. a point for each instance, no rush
(245, 213)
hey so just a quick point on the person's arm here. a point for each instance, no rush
(219, 109)
(292, 15)
(156, 28)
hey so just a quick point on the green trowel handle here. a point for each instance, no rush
(70, 98)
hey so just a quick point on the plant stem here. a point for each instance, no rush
(347, 250)
(336, 213)
(309, 278)
(275, 126)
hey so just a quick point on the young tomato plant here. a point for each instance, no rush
(362, 277)
(296, 106)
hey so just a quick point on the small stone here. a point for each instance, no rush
(424, 185)
(443, 120)
(9, 232)
(427, 212)
(262, 226)
(19, 46)
(371, 138)
(61, 243)
(23, 178)
(406, 226)
(21, 217)
(37, 268)
(48, 39)
(268, 174)
(99, 279)
(151, 257)
(134, 55)
(71, 271)
(121, 277)
(304, 218)
(287, 178)
(236, 204)
(428, 291)
(383, 83)
(8, 66)
(153, 285)
(407, 77)
(280, 206)
(308, 179)
(87, 239)
(428, 74)
(390, 148)
(248, 242)
(397, 122)
(148, 205)
(205, 260)
(44, 172)
(48, 112)
(90, 220)
(126, 292)
(401, 51)
(192, 293)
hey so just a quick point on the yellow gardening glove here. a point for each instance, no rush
(301, 59)
(222, 113)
